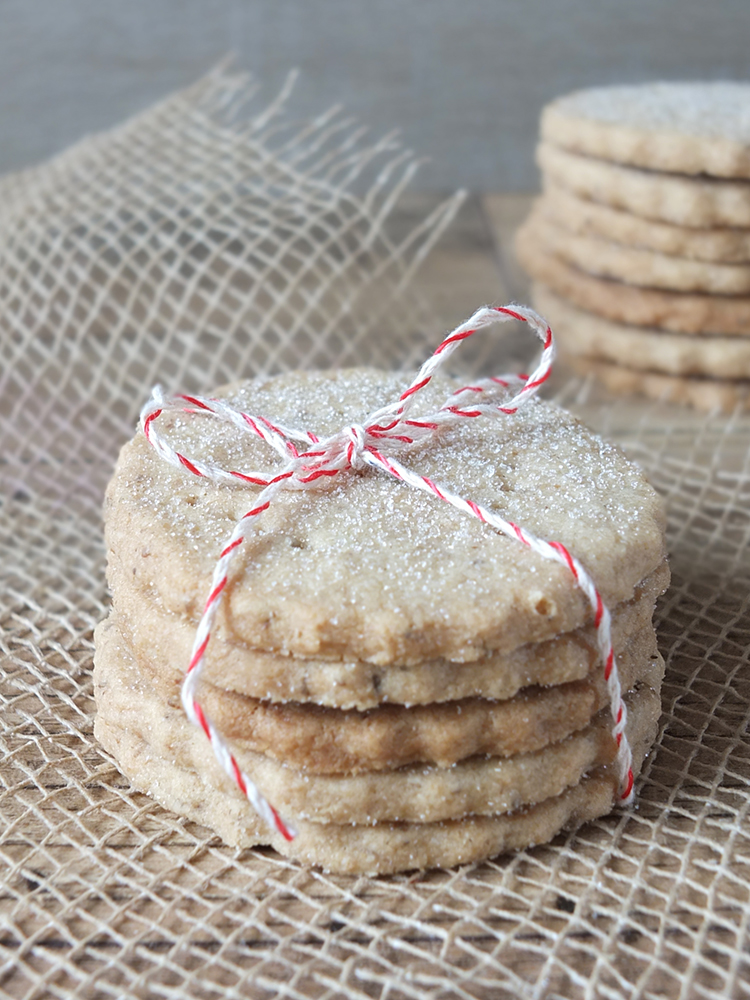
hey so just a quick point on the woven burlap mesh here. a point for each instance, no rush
(205, 240)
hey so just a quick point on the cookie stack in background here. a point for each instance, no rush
(640, 242)
(408, 687)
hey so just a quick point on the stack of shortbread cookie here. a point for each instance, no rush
(640, 243)
(408, 687)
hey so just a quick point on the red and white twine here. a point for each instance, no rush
(374, 443)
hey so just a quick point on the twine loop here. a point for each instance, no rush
(378, 443)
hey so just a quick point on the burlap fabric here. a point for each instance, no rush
(198, 242)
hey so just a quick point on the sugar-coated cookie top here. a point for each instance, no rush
(682, 128)
(366, 566)
(711, 109)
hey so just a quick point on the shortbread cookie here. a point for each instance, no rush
(685, 201)
(382, 849)
(335, 741)
(679, 312)
(703, 393)
(636, 266)
(128, 706)
(202, 792)
(645, 349)
(167, 639)
(373, 570)
(723, 245)
(691, 128)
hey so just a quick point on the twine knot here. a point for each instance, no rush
(357, 441)
(375, 443)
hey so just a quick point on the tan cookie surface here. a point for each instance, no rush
(167, 639)
(645, 349)
(692, 128)
(369, 568)
(679, 312)
(705, 394)
(345, 741)
(636, 266)
(192, 784)
(128, 706)
(725, 245)
(378, 850)
(684, 201)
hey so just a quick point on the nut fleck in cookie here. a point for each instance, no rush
(362, 527)
(691, 128)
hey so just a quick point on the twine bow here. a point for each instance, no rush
(375, 443)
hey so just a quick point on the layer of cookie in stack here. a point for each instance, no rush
(408, 687)
(640, 242)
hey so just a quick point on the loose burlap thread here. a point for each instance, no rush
(203, 240)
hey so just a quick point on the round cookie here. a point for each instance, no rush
(679, 312)
(636, 266)
(690, 128)
(128, 706)
(583, 333)
(684, 201)
(167, 639)
(192, 784)
(335, 741)
(724, 245)
(705, 394)
(382, 849)
(368, 568)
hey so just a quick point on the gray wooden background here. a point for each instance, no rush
(463, 80)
